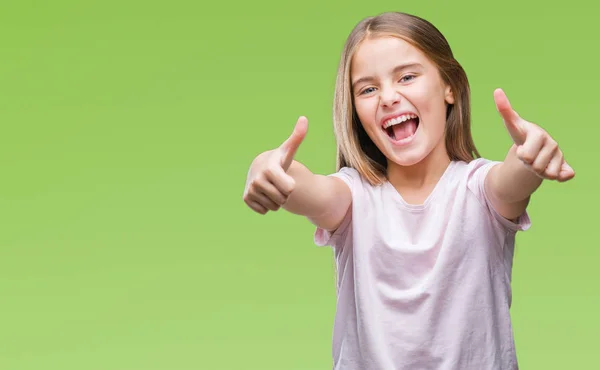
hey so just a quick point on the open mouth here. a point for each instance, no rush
(402, 127)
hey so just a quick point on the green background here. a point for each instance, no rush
(127, 128)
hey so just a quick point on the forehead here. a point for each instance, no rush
(385, 52)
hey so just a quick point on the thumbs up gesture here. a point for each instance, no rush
(268, 185)
(535, 147)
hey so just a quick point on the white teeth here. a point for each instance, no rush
(398, 120)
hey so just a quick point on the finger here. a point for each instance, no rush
(290, 146)
(566, 172)
(256, 207)
(511, 119)
(530, 149)
(264, 201)
(544, 157)
(283, 182)
(272, 193)
(553, 169)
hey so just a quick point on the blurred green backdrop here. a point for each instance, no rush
(127, 128)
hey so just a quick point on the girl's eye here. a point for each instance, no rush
(367, 90)
(407, 78)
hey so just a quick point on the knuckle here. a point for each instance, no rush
(291, 187)
(538, 168)
(286, 191)
(278, 199)
(257, 184)
(260, 178)
(539, 134)
(528, 157)
(269, 171)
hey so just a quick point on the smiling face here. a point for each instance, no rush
(400, 100)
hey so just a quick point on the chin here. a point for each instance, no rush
(408, 153)
(407, 158)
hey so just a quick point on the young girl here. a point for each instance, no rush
(422, 228)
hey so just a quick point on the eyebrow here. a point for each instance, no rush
(394, 71)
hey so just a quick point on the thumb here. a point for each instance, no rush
(566, 172)
(511, 119)
(291, 145)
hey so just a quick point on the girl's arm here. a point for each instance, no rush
(324, 200)
(534, 157)
(275, 180)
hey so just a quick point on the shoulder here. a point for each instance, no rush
(354, 180)
(476, 168)
(359, 187)
(347, 174)
(473, 176)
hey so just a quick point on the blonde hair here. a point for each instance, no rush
(354, 147)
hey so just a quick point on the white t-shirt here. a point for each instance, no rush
(424, 286)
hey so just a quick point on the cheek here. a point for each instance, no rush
(366, 111)
(430, 104)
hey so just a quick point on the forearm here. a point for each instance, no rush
(511, 181)
(309, 197)
(324, 200)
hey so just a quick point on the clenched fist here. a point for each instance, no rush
(535, 147)
(268, 186)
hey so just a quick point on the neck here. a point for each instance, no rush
(426, 172)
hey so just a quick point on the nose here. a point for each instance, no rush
(389, 97)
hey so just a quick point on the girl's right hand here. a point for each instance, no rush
(268, 186)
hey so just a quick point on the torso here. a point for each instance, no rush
(423, 278)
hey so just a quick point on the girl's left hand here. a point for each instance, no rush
(535, 147)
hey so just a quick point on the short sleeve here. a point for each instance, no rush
(323, 237)
(478, 170)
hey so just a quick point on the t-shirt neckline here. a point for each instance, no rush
(430, 197)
